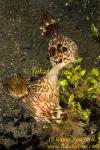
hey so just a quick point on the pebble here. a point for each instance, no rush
(66, 4)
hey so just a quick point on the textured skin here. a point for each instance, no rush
(17, 85)
(43, 100)
(61, 49)
(42, 97)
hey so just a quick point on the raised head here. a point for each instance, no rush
(61, 49)
(48, 25)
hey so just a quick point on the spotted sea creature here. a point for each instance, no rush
(61, 48)
(41, 97)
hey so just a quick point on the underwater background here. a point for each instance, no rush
(22, 48)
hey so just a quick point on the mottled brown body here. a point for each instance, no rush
(48, 26)
(61, 48)
(43, 100)
(42, 96)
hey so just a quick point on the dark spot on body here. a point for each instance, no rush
(55, 113)
(65, 49)
(52, 51)
(56, 62)
(60, 60)
(35, 77)
(59, 47)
